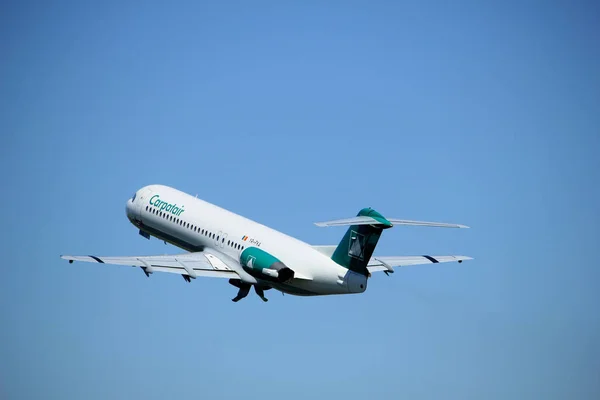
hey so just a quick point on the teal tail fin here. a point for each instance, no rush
(356, 247)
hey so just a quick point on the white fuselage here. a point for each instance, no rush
(195, 225)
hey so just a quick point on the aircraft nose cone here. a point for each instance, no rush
(129, 209)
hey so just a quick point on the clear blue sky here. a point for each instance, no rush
(290, 114)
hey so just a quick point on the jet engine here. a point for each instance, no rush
(259, 263)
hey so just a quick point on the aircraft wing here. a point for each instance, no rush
(388, 263)
(189, 265)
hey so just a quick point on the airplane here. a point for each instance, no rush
(222, 244)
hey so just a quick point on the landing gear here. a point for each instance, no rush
(243, 292)
(186, 278)
(260, 292)
(245, 289)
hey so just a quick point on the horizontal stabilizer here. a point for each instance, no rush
(360, 220)
(365, 220)
(425, 223)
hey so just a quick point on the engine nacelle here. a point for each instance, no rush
(259, 263)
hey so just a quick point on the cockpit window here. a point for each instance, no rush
(133, 198)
